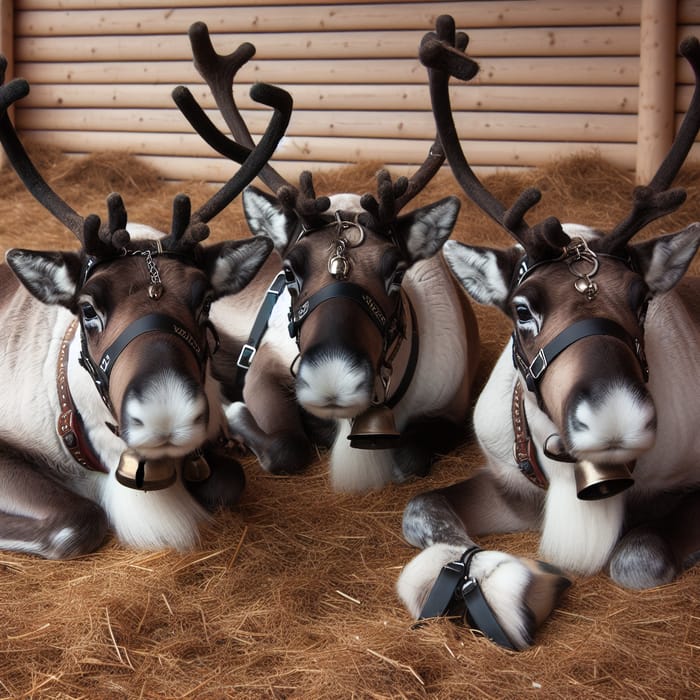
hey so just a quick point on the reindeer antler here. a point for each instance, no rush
(440, 53)
(393, 197)
(104, 240)
(656, 200)
(219, 72)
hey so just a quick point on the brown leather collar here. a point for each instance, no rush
(70, 423)
(523, 448)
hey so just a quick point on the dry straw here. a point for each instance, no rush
(292, 594)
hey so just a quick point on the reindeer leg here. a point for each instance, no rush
(38, 515)
(224, 485)
(655, 553)
(520, 592)
(420, 442)
(269, 422)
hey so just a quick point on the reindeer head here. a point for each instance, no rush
(344, 258)
(344, 267)
(577, 297)
(141, 302)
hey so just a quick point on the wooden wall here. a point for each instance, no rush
(557, 77)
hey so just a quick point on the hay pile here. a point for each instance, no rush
(292, 595)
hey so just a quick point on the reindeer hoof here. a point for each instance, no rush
(504, 597)
(642, 559)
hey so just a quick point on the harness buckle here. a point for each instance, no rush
(245, 357)
(538, 365)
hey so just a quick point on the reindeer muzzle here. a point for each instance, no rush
(374, 429)
(597, 481)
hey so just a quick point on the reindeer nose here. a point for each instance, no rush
(169, 411)
(611, 418)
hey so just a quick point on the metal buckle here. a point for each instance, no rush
(245, 358)
(538, 365)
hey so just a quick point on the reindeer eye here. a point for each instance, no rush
(523, 313)
(91, 319)
(526, 320)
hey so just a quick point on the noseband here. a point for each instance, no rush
(577, 255)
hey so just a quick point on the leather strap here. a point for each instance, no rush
(70, 425)
(454, 587)
(347, 290)
(523, 448)
(410, 370)
(245, 357)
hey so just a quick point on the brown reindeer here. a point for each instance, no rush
(106, 362)
(587, 420)
(383, 344)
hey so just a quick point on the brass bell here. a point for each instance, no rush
(374, 429)
(196, 468)
(146, 475)
(596, 481)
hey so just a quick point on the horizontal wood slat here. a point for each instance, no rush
(521, 126)
(142, 43)
(320, 149)
(475, 13)
(502, 98)
(610, 70)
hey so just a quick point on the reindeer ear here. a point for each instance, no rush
(51, 277)
(664, 260)
(266, 217)
(425, 230)
(485, 273)
(233, 264)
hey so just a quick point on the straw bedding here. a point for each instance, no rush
(291, 595)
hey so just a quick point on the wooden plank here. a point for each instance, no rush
(292, 18)
(468, 97)
(611, 70)
(521, 126)
(138, 42)
(688, 11)
(321, 149)
(479, 13)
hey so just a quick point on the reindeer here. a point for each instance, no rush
(363, 339)
(108, 350)
(586, 421)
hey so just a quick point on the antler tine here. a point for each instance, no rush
(219, 72)
(281, 102)
(442, 59)
(656, 200)
(19, 159)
